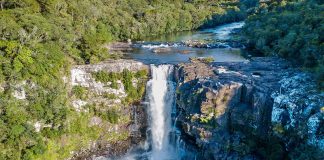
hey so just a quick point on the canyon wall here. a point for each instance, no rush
(258, 109)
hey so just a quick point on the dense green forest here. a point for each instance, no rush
(80, 28)
(40, 39)
(291, 29)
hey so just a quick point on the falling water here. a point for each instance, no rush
(161, 95)
(163, 136)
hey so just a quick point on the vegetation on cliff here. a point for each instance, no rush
(291, 29)
(134, 93)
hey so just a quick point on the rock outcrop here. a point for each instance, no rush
(248, 110)
(123, 123)
(297, 108)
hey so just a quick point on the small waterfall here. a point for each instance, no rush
(161, 96)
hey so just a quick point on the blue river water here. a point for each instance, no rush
(174, 53)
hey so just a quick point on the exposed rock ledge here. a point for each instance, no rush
(242, 110)
(113, 66)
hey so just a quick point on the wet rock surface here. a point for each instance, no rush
(232, 110)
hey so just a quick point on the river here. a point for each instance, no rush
(175, 52)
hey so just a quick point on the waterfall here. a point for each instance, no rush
(161, 95)
(163, 141)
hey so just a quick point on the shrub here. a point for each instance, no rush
(112, 116)
(79, 92)
(102, 76)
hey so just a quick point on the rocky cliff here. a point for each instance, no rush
(105, 93)
(259, 109)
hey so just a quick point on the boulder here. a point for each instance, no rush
(162, 50)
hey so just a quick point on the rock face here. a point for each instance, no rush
(297, 107)
(239, 110)
(102, 148)
(102, 102)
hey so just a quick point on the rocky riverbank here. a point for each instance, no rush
(260, 109)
